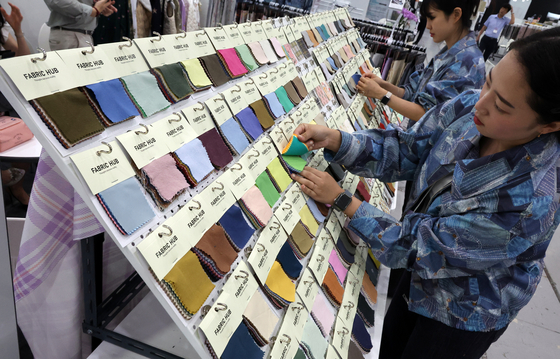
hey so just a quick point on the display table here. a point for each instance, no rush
(25, 152)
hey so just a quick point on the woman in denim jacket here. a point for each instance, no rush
(474, 257)
(457, 68)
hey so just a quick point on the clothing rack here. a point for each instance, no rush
(367, 27)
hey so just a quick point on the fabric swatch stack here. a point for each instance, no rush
(217, 150)
(255, 207)
(215, 253)
(126, 205)
(196, 74)
(279, 288)
(361, 336)
(300, 240)
(234, 137)
(143, 90)
(273, 105)
(260, 319)
(59, 112)
(193, 161)
(250, 123)
(111, 97)
(312, 341)
(236, 227)
(289, 262)
(173, 82)
(332, 288)
(232, 63)
(215, 69)
(242, 345)
(267, 188)
(322, 314)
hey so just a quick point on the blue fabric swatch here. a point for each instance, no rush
(127, 204)
(242, 345)
(236, 227)
(235, 135)
(250, 122)
(114, 100)
(289, 261)
(361, 335)
(331, 62)
(194, 155)
(274, 105)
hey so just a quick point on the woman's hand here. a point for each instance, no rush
(318, 185)
(316, 137)
(374, 77)
(14, 19)
(370, 88)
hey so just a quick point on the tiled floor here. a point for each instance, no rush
(535, 333)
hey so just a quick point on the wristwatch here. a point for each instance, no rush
(343, 201)
(386, 98)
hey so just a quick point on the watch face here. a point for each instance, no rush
(343, 201)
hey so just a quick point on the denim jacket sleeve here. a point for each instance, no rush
(451, 246)
(393, 154)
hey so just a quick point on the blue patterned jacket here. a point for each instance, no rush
(448, 74)
(476, 255)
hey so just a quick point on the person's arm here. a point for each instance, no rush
(371, 88)
(480, 33)
(512, 21)
(76, 9)
(14, 19)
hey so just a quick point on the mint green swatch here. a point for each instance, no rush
(284, 99)
(246, 56)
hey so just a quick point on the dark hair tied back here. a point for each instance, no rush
(539, 54)
(468, 7)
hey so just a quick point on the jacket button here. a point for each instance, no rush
(443, 267)
(469, 208)
(379, 236)
(454, 236)
(528, 158)
(418, 258)
(474, 303)
(448, 309)
(448, 300)
(530, 215)
(440, 253)
(465, 319)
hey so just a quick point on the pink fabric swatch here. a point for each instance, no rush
(348, 51)
(165, 177)
(322, 313)
(332, 28)
(277, 47)
(337, 266)
(234, 64)
(257, 204)
(258, 52)
(290, 53)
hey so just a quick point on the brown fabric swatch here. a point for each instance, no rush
(215, 245)
(214, 69)
(369, 288)
(317, 36)
(312, 37)
(265, 119)
(300, 87)
(333, 289)
(301, 239)
(69, 116)
(292, 93)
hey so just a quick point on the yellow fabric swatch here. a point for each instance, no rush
(187, 274)
(279, 174)
(196, 73)
(308, 219)
(301, 239)
(279, 283)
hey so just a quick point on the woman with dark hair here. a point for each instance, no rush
(485, 168)
(457, 68)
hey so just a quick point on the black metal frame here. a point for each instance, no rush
(99, 312)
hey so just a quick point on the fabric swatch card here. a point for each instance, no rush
(279, 175)
(273, 105)
(215, 70)
(196, 74)
(295, 147)
(332, 288)
(339, 269)
(369, 290)
(233, 63)
(219, 154)
(59, 112)
(255, 207)
(173, 82)
(312, 342)
(308, 220)
(267, 188)
(186, 275)
(319, 210)
(260, 317)
(242, 345)
(250, 122)
(234, 136)
(289, 262)
(354, 351)
(126, 205)
(163, 180)
(195, 159)
(144, 91)
(262, 113)
(244, 53)
(284, 99)
(278, 286)
(294, 164)
(113, 101)
(292, 93)
(365, 311)
(300, 240)
(277, 47)
(269, 51)
(322, 314)
(215, 246)
(236, 226)
(258, 53)
(361, 335)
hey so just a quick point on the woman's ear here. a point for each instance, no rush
(550, 127)
(456, 15)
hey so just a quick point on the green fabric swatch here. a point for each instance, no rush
(295, 162)
(267, 188)
(246, 56)
(295, 147)
(300, 354)
(176, 79)
(284, 99)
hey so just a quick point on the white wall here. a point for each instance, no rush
(520, 8)
(35, 14)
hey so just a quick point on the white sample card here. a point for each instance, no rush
(125, 57)
(89, 67)
(103, 167)
(144, 144)
(157, 51)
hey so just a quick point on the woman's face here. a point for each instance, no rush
(502, 112)
(442, 26)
